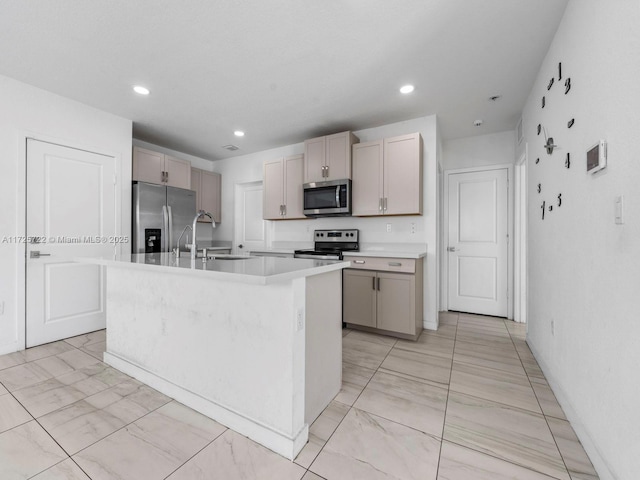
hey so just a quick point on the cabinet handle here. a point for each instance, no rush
(378, 283)
(360, 262)
(167, 176)
(395, 264)
(385, 204)
(327, 171)
(284, 210)
(380, 204)
(374, 282)
(323, 167)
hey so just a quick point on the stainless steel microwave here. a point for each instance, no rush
(327, 199)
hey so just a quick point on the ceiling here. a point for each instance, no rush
(281, 70)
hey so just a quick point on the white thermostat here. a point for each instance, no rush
(597, 157)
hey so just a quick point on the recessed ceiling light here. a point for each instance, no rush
(407, 89)
(239, 133)
(141, 90)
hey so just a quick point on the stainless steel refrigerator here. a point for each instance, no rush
(159, 216)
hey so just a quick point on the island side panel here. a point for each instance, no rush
(323, 355)
(232, 344)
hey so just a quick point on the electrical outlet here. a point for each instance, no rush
(413, 227)
(299, 320)
(388, 227)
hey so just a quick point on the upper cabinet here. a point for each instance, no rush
(329, 157)
(282, 188)
(387, 177)
(161, 169)
(207, 186)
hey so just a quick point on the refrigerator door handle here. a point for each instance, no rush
(170, 231)
(165, 228)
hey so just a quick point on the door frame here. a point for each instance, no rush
(238, 187)
(445, 229)
(21, 216)
(520, 238)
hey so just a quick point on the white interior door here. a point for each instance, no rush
(478, 247)
(70, 213)
(250, 229)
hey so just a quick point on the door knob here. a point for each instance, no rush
(240, 246)
(451, 249)
(37, 254)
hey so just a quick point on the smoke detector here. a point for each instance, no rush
(230, 147)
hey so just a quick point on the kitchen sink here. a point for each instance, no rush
(228, 257)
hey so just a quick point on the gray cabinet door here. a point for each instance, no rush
(359, 297)
(396, 302)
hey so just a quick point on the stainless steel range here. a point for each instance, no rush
(329, 244)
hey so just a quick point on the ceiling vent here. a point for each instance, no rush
(230, 147)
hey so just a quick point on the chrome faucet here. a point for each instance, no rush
(176, 250)
(201, 213)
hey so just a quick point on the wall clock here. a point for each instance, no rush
(552, 200)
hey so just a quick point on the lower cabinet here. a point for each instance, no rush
(384, 300)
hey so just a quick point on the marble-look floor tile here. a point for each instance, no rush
(96, 350)
(55, 366)
(21, 376)
(363, 353)
(12, 413)
(3, 390)
(47, 350)
(429, 344)
(496, 385)
(429, 367)
(311, 476)
(11, 360)
(234, 457)
(354, 379)
(79, 425)
(467, 329)
(320, 431)
(410, 403)
(372, 337)
(505, 432)
(447, 318)
(461, 463)
(27, 450)
(65, 470)
(346, 331)
(367, 447)
(497, 358)
(87, 339)
(444, 330)
(77, 359)
(152, 447)
(575, 458)
(546, 398)
(47, 396)
(488, 339)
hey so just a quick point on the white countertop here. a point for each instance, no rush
(385, 253)
(254, 270)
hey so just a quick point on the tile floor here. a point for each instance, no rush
(467, 402)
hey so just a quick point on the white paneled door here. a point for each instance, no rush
(70, 213)
(250, 228)
(478, 242)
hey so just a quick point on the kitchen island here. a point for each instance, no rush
(252, 342)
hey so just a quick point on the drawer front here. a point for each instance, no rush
(385, 264)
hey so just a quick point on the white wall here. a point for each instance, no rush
(584, 270)
(28, 111)
(479, 151)
(248, 168)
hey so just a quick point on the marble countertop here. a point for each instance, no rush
(254, 270)
(386, 253)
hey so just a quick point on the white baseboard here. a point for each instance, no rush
(590, 446)
(430, 325)
(279, 442)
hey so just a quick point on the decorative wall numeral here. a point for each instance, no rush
(567, 162)
(543, 102)
(550, 208)
(567, 85)
(559, 71)
(559, 199)
(543, 206)
(539, 188)
(550, 83)
(539, 129)
(537, 160)
(571, 122)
